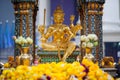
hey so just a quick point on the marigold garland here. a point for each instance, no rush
(87, 70)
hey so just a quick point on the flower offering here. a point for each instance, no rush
(89, 41)
(23, 42)
(87, 70)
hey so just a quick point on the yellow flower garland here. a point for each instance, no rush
(56, 71)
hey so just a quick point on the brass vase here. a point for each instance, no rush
(25, 58)
(88, 50)
(88, 54)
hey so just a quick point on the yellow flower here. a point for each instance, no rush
(93, 78)
(102, 78)
(99, 73)
(6, 65)
(87, 62)
(2, 77)
(81, 74)
(94, 67)
(91, 73)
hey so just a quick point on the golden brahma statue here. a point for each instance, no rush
(61, 35)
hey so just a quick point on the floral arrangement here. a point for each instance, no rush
(89, 41)
(23, 42)
(87, 70)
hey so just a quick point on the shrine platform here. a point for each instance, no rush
(52, 56)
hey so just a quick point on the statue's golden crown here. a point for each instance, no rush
(58, 10)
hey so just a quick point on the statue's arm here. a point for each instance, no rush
(41, 29)
(49, 32)
(71, 35)
(75, 29)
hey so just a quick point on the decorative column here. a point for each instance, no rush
(25, 20)
(91, 12)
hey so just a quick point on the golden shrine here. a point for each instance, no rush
(61, 34)
(90, 16)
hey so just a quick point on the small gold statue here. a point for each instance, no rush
(60, 33)
(107, 62)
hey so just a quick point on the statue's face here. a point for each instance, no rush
(58, 18)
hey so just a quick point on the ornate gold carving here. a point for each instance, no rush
(93, 6)
(24, 7)
(93, 9)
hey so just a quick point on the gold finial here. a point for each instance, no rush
(72, 17)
